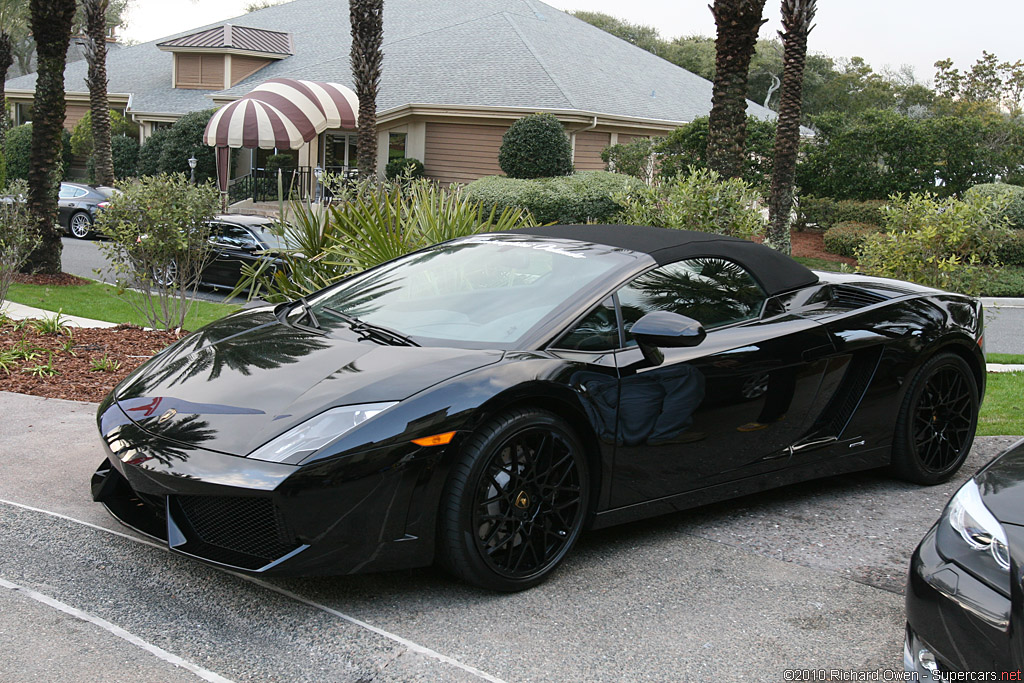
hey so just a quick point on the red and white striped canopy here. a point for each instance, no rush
(282, 113)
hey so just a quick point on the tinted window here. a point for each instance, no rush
(233, 236)
(599, 331)
(66, 191)
(712, 291)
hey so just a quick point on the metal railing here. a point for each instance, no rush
(297, 183)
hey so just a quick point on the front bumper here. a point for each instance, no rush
(955, 623)
(366, 512)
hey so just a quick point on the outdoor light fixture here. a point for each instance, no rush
(192, 161)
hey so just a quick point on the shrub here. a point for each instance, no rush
(403, 166)
(1009, 247)
(17, 234)
(3, 169)
(536, 146)
(846, 238)
(279, 161)
(81, 136)
(932, 242)
(374, 223)
(632, 158)
(185, 139)
(125, 154)
(588, 196)
(686, 147)
(1008, 202)
(817, 212)
(149, 153)
(700, 200)
(158, 234)
(869, 212)
(19, 151)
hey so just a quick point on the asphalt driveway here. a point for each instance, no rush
(807, 577)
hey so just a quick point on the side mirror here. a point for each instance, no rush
(664, 329)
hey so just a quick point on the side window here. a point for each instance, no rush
(712, 291)
(599, 331)
(232, 236)
(66, 191)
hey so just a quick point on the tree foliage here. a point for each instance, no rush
(150, 151)
(185, 139)
(988, 80)
(645, 37)
(17, 234)
(536, 146)
(686, 147)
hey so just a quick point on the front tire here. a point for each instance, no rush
(937, 420)
(80, 225)
(515, 502)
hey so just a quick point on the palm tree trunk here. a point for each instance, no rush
(738, 22)
(96, 56)
(6, 59)
(51, 26)
(797, 16)
(366, 17)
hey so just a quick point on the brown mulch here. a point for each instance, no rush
(811, 244)
(62, 280)
(72, 357)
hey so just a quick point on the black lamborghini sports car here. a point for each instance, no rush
(481, 402)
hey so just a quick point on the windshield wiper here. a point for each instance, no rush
(369, 330)
(307, 312)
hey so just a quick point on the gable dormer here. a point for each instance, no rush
(220, 57)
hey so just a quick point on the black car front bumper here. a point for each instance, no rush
(955, 623)
(367, 512)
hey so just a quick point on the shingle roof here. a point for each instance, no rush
(237, 37)
(501, 53)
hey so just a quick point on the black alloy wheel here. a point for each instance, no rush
(80, 225)
(936, 424)
(516, 501)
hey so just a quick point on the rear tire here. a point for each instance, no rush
(80, 225)
(515, 501)
(937, 420)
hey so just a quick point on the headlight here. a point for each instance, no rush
(315, 433)
(971, 536)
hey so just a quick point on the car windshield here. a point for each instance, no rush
(489, 290)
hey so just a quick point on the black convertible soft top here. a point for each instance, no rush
(776, 272)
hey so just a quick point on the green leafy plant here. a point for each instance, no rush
(686, 148)
(1007, 202)
(634, 158)
(81, 136)
(44, 370)
(536, 146)
(1009, 248)
(8, 360)
(149, 153)
(404, 167)
(184, 139)
(25, 352)
(104, 364)
(17, 234)
(847, 238)
(55, 324)
(585, 197)
(934, 242)
(158, 243)
(700, 200)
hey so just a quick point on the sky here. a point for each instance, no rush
(887, 33)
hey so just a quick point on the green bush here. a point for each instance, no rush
(934, 242)
(124, 152)
(700, 200)
(3, 168)
(1009, 247)
(81, 136)
(19, 151)
(158, 242)
(632, 158)
(18, 237)
(584, 197)
(869, 211)
(185, 139)
(277, 162)
(149, 153)
(848, 237)
(815, 212)
(536, 146)
(403, 166)
(1008, 202)
(686, 147)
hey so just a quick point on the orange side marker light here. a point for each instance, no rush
(435, 440)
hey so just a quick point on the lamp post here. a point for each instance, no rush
(318, 192)
(192, 161)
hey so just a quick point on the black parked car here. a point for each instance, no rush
(965, 597)
(78, 204)
(482, 401)
(238, 240)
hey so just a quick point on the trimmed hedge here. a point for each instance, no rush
(848, 237)
(404, 165)
(824, 212)
(1010, 197)
(1009, 250)
(584, 197)
(536, 146)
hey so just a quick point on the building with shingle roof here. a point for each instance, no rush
(456, 74)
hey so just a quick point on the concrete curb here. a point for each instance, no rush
(21, 312)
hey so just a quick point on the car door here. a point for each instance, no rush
(233, 245)
(66, 203)
(721, 411)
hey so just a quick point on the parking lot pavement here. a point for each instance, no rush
(805, 577)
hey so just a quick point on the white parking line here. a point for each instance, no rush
(115, 630)
(414, 647)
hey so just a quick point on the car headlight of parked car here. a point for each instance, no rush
(301, 441)
(970, 536)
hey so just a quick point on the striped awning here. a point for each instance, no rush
(282, 113)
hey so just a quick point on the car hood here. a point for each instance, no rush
(1001, 484)
(237, 383)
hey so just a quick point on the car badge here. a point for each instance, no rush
(522, 500)
(167, 416)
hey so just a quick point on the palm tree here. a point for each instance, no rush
(797, 16)
(50, 21)
(96, 56)
(738, 22)
(366, 17)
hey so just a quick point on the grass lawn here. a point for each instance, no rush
(1008, 358)
(102, 302)
(1002, 412)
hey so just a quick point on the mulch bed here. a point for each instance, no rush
(73, 357)
(62, 280)
(811, 244)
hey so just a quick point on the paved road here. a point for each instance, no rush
(84, 258)
(806, 577)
